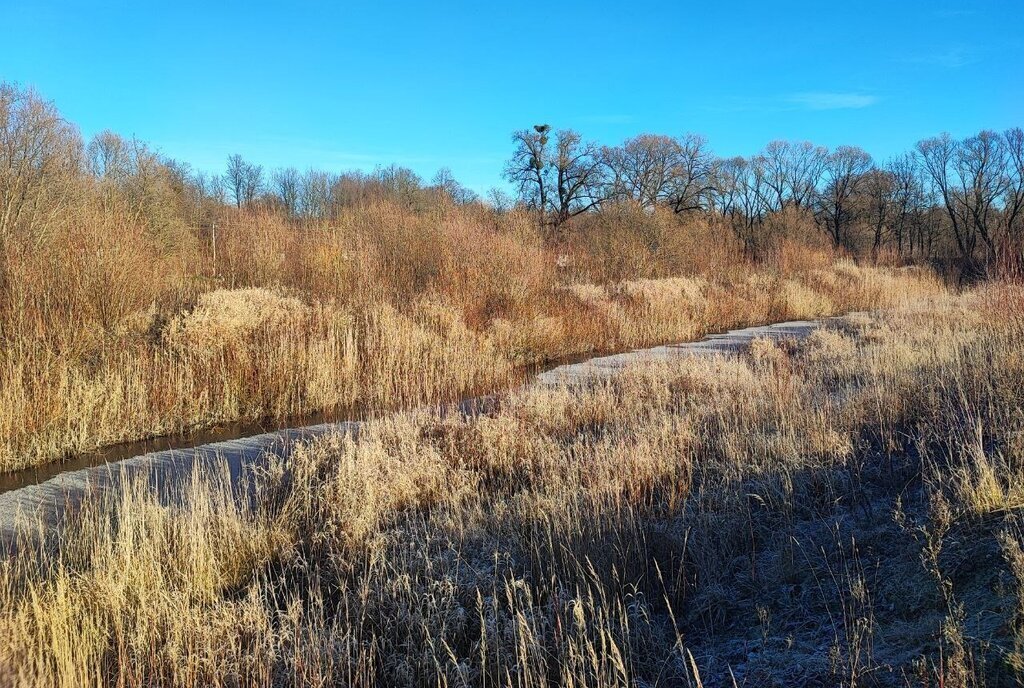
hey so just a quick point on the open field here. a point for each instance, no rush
(842, 511)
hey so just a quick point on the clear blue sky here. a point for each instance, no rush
(344, 85)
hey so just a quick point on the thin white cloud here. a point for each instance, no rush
(809, 100)
(824, 100)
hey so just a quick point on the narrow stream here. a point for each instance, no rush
(34, 475)
(582, 366)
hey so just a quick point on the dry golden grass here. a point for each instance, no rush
(840, 511)
(111, 332)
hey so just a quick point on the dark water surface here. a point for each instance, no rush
(15, 480)
(474, 401)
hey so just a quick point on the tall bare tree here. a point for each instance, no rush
(579, 176)
(879, 195)
(245, 180)
(40, 155)
(286, 186)
(773, 164)
(108, 156)
(563, 180)
(642, 168)
(845, 170)
(446, 183)
(151, 188)
(742, 198)
(792, 172)
(691, 178)
(399, 184)
(908, 204)
(318, 194)
(976, 183)
(981, 163)
(527, 169)
(659, 170)
(1013, 204)
(937, 156)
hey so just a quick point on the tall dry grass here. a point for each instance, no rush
(839, 511)
(113, 330)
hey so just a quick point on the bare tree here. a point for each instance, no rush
(728, 172)
(446, 183)
(981, 164)
(731, 185)
(211, 186)
(108, 156)
(845, 170)
(136, 175)
(691, 177)
(235, 177)
(908, 203)
(399, 183)
(976, 182)
(527, 169)
(879, 190)
(773, 162)
(741, 194)
(937, 155)
(792, 172)
(642, 168)
(563, 182)
(579, 176)
(805, 170)
(766, 183)
(499, 199)
(653, 169)
(245, 180)
(286, 186)
(317, 194)
(354, 189)
(1013, 205)
(40, 155)
(203, 193)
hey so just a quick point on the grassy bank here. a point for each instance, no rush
(842, 511)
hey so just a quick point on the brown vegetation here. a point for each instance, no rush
(135, 302)
(841, 511)
(844, 510)
(386, 310)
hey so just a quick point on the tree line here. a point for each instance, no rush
(954, 200)
(968, 193)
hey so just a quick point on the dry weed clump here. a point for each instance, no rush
(225, 316)
(842, 510)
